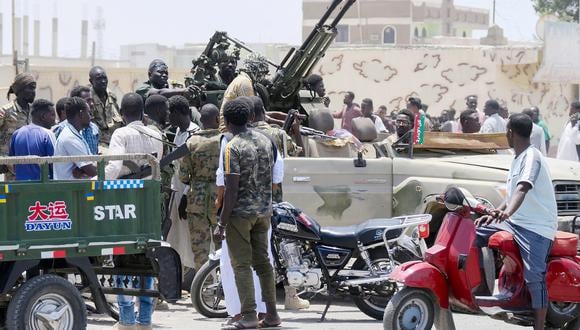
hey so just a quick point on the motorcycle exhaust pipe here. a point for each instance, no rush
(362, 281)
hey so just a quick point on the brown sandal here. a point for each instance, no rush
(265, 324)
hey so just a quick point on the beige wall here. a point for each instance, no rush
(443, 76)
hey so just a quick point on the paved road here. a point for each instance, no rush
(343, 316)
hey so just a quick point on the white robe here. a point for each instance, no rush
(231, 297)
(568, 141)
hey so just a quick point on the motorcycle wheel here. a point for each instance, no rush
(559, 314)
(374, 306)
(409, 309)
(207, 295)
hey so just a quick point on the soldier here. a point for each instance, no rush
(255, 69)
(315, 84)
(198, 170)
(157, 83)
(16, 114)
(285, 144)
(105, 110)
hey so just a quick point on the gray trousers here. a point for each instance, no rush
(534, 249)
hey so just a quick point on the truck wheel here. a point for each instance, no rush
(47, 302)
(374, 305)
(409, 309)
(207, 294)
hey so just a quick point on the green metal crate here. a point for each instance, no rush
(51, 219)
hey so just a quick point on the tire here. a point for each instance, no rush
(210, 269)
(559, 314)
(374, 306)
(46, 294)
(188, 279)
(409, 308)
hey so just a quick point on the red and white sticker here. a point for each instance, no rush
(113, 251)
(53, 254)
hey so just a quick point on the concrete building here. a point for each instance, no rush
(399, 22)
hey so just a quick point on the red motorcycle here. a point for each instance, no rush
(450, 275)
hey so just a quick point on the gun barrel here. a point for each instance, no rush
(341, 13)
(320, 23)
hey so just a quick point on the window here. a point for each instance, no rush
(416, 32)
(424, 32)
(343, 33)
(389, 35)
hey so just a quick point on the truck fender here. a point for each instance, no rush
(168, 264)
(12, 270)
(422, 275)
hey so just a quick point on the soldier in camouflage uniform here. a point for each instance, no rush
(286, 146)
(105, 108)
(198, 170)
(245, 217)
(16, 114)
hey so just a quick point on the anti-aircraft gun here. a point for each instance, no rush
(284, 91)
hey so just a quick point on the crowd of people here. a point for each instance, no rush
(224, 189)
(493, 119)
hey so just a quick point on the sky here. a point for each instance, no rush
(176, 22)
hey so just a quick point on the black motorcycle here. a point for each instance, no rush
(352, 260)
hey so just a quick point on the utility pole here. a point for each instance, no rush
(14, 53)
(493, 19)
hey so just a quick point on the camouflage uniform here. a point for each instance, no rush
(106, 116)
(198, 171)
(12, 117)
(278, 135)
(250, 155)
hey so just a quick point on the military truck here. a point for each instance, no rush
(337, 187)
(63, 241)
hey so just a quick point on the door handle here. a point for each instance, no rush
(301, 179)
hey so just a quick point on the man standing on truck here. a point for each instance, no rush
(106, 110)
(529, 212)
(246, 212)
(16, 114)
(35, 139)
(157, 83)
(349, 111)
(198, 171)
(133, 138)
(71, 142)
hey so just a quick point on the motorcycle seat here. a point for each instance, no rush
(565, 244)
(366, 232)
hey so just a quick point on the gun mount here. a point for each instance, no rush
(295, 67)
